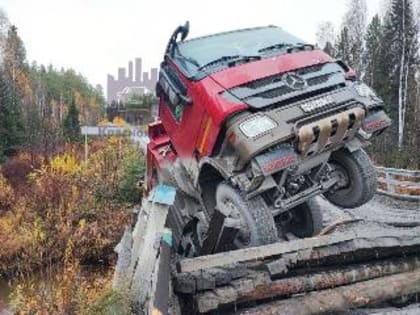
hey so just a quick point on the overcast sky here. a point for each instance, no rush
(97, 36)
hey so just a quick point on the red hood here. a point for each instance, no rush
(231, 77)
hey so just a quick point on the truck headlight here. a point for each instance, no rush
(257, 125)
(364, 91)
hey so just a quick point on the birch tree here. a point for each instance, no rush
(4, 26)
(325, 36)
(400, 55)
(355, 20)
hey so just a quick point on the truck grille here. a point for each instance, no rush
(271, 90)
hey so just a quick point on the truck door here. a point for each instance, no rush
(180, 116)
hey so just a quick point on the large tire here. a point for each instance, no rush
(256, 218)
(306, 220)
(361, 176)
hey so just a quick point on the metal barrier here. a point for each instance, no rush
(399, 183)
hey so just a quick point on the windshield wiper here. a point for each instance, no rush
(189, 60)
(300, 46)
(275, 47)
(233, 59)
(290, 47)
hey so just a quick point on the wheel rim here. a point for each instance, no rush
(301, 224)
(344, 180)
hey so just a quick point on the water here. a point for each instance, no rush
(4, 296)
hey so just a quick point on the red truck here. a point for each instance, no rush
(253, 124)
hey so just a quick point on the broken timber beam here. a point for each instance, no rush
(387, 238)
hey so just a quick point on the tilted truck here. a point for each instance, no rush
(254, 127)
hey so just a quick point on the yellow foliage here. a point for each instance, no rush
(6, 193)
(113, 140)
(119, 121)
(104, 122)
(65, 165)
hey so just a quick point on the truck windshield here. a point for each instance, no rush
(193, 55)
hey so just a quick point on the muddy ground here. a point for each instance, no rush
(380, 209)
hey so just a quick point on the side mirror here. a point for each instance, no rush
(185, 30)
(343, 65)
(350, 74)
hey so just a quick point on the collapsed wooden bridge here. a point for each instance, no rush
(354, 263)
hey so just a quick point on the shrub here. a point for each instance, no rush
(133, 167)
(66, 199)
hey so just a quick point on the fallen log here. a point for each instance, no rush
(343, 298)
(260, 287)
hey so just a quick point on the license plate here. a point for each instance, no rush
(274, 161)
(310, 106)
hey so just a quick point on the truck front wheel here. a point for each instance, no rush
(257, 222)
(357, 179)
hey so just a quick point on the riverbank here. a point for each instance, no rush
(60, 214)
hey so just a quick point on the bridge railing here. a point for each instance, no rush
(399, 183)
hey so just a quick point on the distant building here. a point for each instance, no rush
(130, 92)
(136, 81)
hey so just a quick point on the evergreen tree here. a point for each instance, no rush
(329, 49)
(375, 74)
(342, 46)
(11, 127)
(71, 125)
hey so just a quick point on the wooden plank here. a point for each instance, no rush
(138, 235)
(228, 234)
(399, 183)
(160, 301)
(215, 227)
(398, 196)
(142, 279)
(124, 251)
(277, 249)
